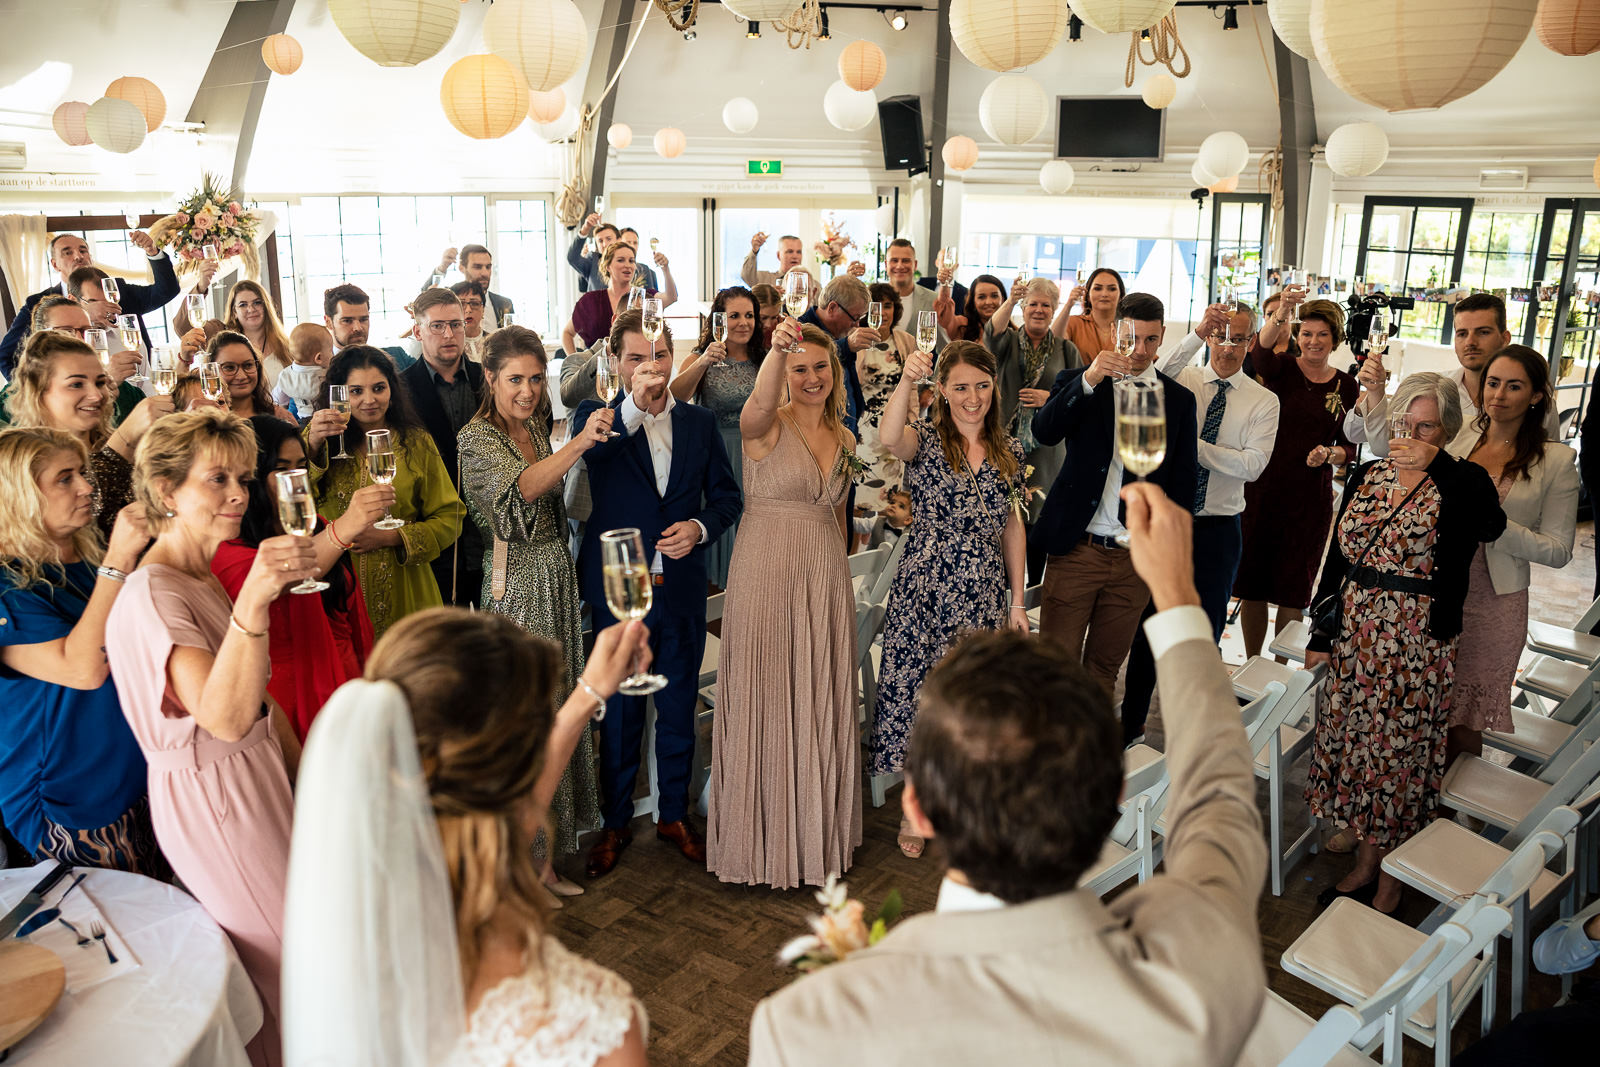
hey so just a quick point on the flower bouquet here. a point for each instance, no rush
(834, 244)
(841, 929)
(211, 215)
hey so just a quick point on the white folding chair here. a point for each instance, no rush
(879, 593)
(1576, 644)
(1506, 798)
(1290, 642)
(865, 567)
(1129, 849)
(1536, 735)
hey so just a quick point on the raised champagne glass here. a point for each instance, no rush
(1141, 429)
(381, 465)
(796, 297)
(128, 334)
(297, 513)
(100, 341)
(164, 368)
(339, 400)
(211, 383)
(927, 337)
(111, 290)
(195, 304)
(1127, 340)
(626, 572)
(607, 377)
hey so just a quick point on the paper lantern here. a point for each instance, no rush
(1291, 21)
(1159, 90)
(282, 54)
(1202, 178)
(565, 125)
(740, 115)
(1002, 35)
(545, 108)
(960, 152)
(142, 94)
(68, 120)
(1568, 27)
(1057, 176)
(1224, 153)
(847, 109)
(762, 10)
(1356, 149)
(619, 136)
(483, 96)
(396, 33)
(1122, 16)
(115, 124)
(670, 142)
(1226, 185)
(546, 40)
(1013, 109)
(1597, 170)
(1402, 55)
(862, 65)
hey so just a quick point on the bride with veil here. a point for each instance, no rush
(414, 933)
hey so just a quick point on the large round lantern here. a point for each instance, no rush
(282, 54)
(546, 40)
(1357, 149)
(1224, 153)
(1291, 21)
(619, 136)
(483, 96)
(396, 33)
(68, 119)
(1202, 178)
(1002, 35)
(960, 153)
(562, 126)
(862, 65)
(545, 108)
(670, 142)
(847, 109)
(1159, 90)
(762, 10)
(1568, 27)
(1122, 16)
(114, 124)
(142, 94)
(1057, 176)
(1013, 109)
(740, 115)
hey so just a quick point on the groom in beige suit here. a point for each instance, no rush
(1015, 763)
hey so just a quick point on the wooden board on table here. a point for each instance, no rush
(31, 981)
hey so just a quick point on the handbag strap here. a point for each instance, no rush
(1378, 530)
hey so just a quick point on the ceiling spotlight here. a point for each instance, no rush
(824, 35)
(689, 35)
(1074, 29)
(1144, 34)
(1230, 18)
(898, 20)
(754, 31)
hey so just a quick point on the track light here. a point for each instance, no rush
(689, 35)
(824, 35)
(1230, 18)
(1144, 34)
(754, 32)
(898, 20)
(1074, 29)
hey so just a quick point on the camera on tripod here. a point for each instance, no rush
(1359, 324)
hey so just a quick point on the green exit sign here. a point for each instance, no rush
(764, 166)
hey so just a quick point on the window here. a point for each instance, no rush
(522, 263)
(677, 229)
(1413, 245)
(1501, 247)
(738, 225)
(1239, 238)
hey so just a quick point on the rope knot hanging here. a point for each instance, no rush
(681, 14)
(1166, 48)
(804, 23)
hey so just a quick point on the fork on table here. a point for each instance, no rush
(98, 932)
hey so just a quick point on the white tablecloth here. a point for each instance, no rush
(189, 1003)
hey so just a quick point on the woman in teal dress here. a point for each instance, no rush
(512, 483)
(391, 565)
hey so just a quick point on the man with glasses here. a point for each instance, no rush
(68, 253)
(445, 388)
(477, 263)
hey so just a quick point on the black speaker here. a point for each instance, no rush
(900, 121)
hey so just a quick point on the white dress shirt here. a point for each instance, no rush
(1106, 521)
(1244, 439)
(958, 896)
(658, 432)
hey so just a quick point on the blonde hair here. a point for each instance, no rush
(481, 738)
(1045, 286)
(309, 339)
(169, 450)
(32, 381)
(996, 442)
(25, 546)
(833, 411)
(275, 337)
(610, 254)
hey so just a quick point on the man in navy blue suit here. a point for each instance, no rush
(667, 474)
(1092, 596)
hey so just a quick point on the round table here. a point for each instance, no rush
(188, 1003)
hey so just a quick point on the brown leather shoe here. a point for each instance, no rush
(606, 851)
(686, 837)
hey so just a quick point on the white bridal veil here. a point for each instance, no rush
(371, 974)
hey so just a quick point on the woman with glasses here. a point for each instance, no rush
(235, 356)
(592, 314)
(392, 565)
(251, 313)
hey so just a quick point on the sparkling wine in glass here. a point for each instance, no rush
(1294, 277)
(339, 400)
(112, 291)
(297, 512)
(927, 337)
(1141, 429)
(128, 334)
(100, 341)
(607, 378)
(381, 465)
(164, 368)
(625, 570)
(196, 306)
(211, 383)
(210, 252)
(650, 319)
(1127, 340)
(506, 320)
(719, 334)
(796, 296)
(1400, 426)
(874, 316)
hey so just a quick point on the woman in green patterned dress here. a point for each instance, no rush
(512, 484)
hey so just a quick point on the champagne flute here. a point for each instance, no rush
(875, 315)
(626, 573)
(211, 252)
(719, 334)
(1141, 429)
(339, 400)
(1230, 300)
(650, 319)
(211, 383)
(1127, 338)
(128, 334)
(607, 379)
(1400, 426)
(927, 336)
(796, 297)
(112, 291)
(164, 368)
(381, 465)
(100, 341)
(506, 320)
(131, 217)
(195, 303)
(1295, 277)
(297, 512)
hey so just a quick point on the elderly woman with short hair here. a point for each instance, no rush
(1399, 562)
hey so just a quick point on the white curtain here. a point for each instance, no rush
(22, 255)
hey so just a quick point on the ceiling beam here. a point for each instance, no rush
(228, 102)
(1297, 133)
(610, 40)
(939, 130)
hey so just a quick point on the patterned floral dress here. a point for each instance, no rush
(878, 368)
(952, 579)
(1380, 741)
(723, 390)
(541, 589)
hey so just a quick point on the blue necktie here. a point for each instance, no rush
(1208, 434)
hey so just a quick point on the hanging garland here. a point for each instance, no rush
(807, 24)
(1166, 48)
(675, 12)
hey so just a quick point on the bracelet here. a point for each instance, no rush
(112, 574)
(600, 701)
(334, 537)
(235, 624)
(1019, 607)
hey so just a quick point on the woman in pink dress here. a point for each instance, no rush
(191, 671)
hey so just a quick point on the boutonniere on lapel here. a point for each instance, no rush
(842, 928)
(848, 460)
(1018, 493)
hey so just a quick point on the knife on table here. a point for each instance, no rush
(34, 900)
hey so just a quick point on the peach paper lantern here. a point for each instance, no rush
(547, 107)
(960, 153)
(282, 54)
(1226, 185)
(670, 142)
(483, 96)
(68, 120)
(1568, 27)
(619, 136)
(142, 94)
(862, 65)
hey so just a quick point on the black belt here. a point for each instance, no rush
(1372, 578)
(1101, 541)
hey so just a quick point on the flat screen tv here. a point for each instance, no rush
(1109, 127)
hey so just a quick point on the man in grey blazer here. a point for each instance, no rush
(1015, 764)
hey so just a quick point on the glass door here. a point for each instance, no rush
(1415, 245)
(1238, 242)
(1567, 326)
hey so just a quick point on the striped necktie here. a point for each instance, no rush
(1208, 434)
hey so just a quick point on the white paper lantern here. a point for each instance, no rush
(565, 125)
(762, 10)
(68, 120)
(862, 65)
(1057, 176)
(1291, 21)
(546, 40)
(1159, 90)
(1224, 153)
(545, 108)
(1402, 55)
(282, 54)
(114, 124)
(619, 136)
(1202, 178)
(1226, 185)
(1357, 149)
(1569, 27)
(142, 94)
(847, 109)
(1002, 35)
(883, 219)
(960, 153)
(740, 115)
(396, 33)
(483, 96)
(670, 142)
(1013, 109)
(1122, 16)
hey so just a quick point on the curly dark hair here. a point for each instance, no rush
(755, 350)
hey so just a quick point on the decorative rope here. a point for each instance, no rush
(674, 11)
(572, 202)
(1166, 48)
(807, 24)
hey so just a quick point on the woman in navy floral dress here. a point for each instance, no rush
(965, 563)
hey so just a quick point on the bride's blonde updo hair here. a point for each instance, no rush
(482, 696)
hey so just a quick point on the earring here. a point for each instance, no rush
(171, 514)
